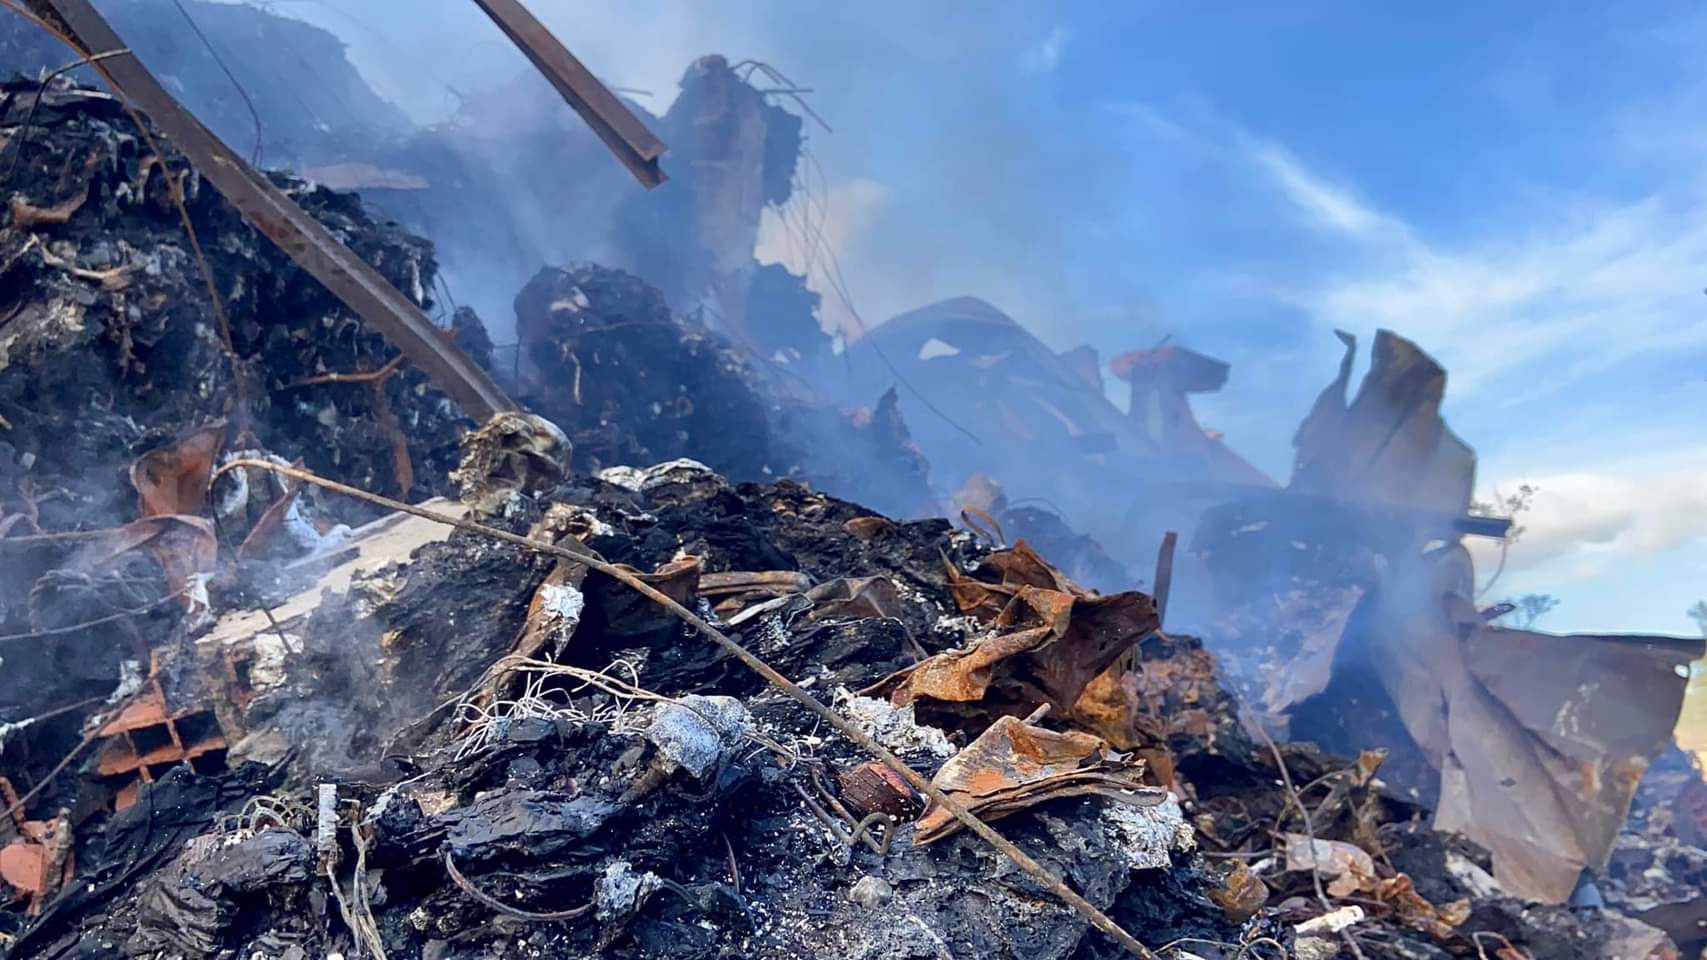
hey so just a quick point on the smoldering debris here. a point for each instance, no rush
(112, 344)
(602, 355)
(1382, 643)
(510, 703)
(518, 756)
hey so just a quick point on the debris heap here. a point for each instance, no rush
(124, 330)
(601, 354)
(297, 662)
(443, 744)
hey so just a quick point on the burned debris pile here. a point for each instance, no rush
(475, 748)
(601, 354)
(443, 744)
(297, 661)
(114, 340)
(127, 368)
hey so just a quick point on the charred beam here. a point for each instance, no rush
(299, 235)
(619, 128)
(1441, 521)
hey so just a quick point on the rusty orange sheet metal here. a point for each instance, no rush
(174, 478)
(1050, 641)
(1015, 765)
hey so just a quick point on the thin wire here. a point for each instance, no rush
(255, 156)
(1303, 809)
(504, 908)
(55, 712)
(831, 273)
(88, 738)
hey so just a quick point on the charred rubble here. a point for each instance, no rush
(602, 355)
(244, 714)
(359, 813)
(112, 343)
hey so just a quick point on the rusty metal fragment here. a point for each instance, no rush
(185, 547)
(774, 583)
(1238, 891)
(26, 214)
(1051, 639)
(175, 478)
(872, 787)
(870, 528)
(1014, 765)
(1164, 574)
(271, 520)
(853, 598)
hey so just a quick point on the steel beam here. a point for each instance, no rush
(615, 124)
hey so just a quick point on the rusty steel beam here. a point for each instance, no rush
(615, 124)
(300, 236)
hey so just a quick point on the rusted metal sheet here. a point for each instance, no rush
(299, 235)
(619, 128)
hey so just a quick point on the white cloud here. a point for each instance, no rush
(1330, 207)
(1546, 317)
(1046, 55)
(1590, 519)
(1578, 288)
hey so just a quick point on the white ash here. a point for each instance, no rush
(681, 470)
(1146, 837)
(621, 890)
(894, 727)
(628, 478)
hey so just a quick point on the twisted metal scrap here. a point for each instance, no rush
(1020, 858)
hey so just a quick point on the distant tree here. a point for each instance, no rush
(1698, 613)
(1512, 506)
(1530, 607)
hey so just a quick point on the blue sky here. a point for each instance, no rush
(1518, 187)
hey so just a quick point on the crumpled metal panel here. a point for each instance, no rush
(1539, 739)
(1583, 716)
